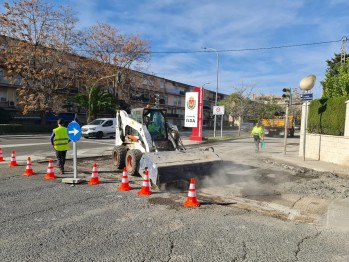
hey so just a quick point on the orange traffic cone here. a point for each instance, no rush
(1, 157)
(191, 200)
(125, 186)
(13, 160)
(145, 190)
(94, 177)
(28, 170)
(50, 174)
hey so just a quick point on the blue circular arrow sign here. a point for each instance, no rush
(74, 131)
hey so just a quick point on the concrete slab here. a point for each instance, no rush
(72, 180)
(338, 214)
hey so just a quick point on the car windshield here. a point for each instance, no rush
(97, 122)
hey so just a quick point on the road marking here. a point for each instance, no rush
(96, 142)
(22, 145)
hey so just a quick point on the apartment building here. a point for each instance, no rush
(143, 89)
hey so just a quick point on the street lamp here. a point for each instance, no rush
(306, 84)
(215, 103)
(205, 84)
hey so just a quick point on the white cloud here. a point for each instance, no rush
(187, 25)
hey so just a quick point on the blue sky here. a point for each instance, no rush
(189, 25)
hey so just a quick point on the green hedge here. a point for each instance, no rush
(327, 116)
(9, 129)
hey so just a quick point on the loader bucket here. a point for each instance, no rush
(172, 166)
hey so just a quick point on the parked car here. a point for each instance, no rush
(246, 126)
(98, 128)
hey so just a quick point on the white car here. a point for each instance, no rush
(98, 128)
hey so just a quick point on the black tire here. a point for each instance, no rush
(119, 155)
(133, 156)
(99, 134)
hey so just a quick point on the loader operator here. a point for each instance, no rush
(258, 135)
(155, 126)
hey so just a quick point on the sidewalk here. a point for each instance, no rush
(292, 157)
(276, 153)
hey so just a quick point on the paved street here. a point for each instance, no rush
(253, 208)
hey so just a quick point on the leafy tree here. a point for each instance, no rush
(269, 108)
(239, 105)
(336, 82)
(115, 54)
(96, 101)
(38, 39)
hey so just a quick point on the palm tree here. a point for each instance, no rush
(96, 101)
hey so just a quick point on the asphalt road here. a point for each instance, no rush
(39, 146)
(52, 221)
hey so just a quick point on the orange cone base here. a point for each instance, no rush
(191, 202)
(144, 191)
(50, 177)
(94, 181)
(124, 187)
(13, 164)
(29, 173)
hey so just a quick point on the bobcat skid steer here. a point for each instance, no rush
(144, 140)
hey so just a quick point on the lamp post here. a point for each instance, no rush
(306, 84)
(215, 103)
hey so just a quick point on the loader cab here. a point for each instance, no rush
(154, 119)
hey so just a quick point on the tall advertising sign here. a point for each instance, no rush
(191, 109)
(197, 128)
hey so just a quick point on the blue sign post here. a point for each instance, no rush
(74, 131)
(307, 97)
(74, 134)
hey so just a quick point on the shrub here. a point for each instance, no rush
(327, 116)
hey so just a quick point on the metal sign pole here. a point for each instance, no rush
(74, 160)
(222, 125)
(305, 127)
(74, 134)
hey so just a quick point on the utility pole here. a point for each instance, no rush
(343, 49)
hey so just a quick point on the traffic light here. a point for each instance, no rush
(287, 95)
(157, 99)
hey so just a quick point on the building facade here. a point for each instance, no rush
(143, 88)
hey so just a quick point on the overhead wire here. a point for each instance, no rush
(219, 51)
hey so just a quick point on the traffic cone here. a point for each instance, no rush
(94, 177)
(1, 157)
(124, 182)
(50, 174)
(28, 170)
(191, 200)
(13, 160)
(145, 190)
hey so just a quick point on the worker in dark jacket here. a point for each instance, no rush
(59, 141)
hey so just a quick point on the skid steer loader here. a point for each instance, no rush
(144, 140)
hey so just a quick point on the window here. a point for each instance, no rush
(108, 123)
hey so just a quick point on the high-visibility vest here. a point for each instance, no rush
(257, 131)
(60, 141)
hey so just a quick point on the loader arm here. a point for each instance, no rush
(124, 123)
